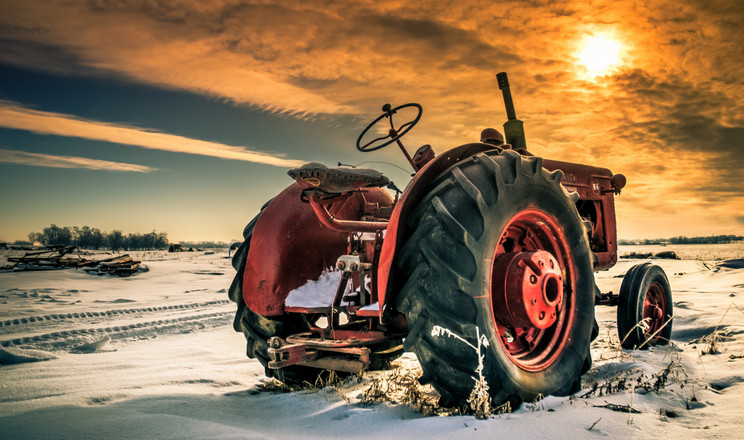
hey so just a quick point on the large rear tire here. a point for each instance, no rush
(487, 207)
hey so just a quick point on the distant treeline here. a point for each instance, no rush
(92, 238)
(710, 239)
(204, 244)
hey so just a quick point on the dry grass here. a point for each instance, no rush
(479, 400)
(611, 350)
(643, 325)
(618, 408)
(674, 373)
(712, 341)
(634, 379)
(536, 404)
(401, 386)
(325, 378)
(617, 383)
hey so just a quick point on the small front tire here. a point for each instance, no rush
(645, 310)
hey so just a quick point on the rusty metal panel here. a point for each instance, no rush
(290, 246)
(596, 203)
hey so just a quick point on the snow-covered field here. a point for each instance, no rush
(155, 356)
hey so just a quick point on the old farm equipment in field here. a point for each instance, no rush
(488, 255)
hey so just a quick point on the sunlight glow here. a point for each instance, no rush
(600, 54)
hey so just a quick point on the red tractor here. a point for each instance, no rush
(483, 267)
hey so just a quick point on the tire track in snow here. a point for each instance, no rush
(102, 314)
(69, 339)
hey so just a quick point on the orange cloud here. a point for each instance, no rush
(21, 118)
(165, 46)
(52, 161)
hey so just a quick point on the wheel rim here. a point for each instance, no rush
(653, 312)
(535, 235)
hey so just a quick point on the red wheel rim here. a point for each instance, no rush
(653, 312)
(531, 348)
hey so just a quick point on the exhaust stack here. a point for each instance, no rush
(513, 127)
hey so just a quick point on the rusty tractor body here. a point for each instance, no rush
(483, 267)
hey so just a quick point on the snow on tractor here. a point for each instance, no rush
(483, 267)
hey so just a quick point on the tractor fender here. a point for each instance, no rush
(397, 230)
(290, 246)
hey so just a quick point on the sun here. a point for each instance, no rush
(600, 54)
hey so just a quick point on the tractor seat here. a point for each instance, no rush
(337, 180)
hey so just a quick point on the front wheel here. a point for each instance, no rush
(645, 310)
(499, 284)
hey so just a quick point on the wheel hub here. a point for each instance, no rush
(531, 291)
(653, 310)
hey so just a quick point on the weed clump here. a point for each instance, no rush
(719, 334)
(325, 378)
(400, 386)
(711, 343)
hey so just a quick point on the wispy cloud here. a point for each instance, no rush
(181, 47)
(16, 116)
(52, 161)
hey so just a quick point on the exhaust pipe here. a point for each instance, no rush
(513, 127)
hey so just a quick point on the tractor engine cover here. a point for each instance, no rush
(290, 246)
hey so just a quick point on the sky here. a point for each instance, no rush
(184, 116)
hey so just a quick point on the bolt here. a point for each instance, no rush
(508, 337)
(353, 267)
(542, 315)
(340, 265)
(552, 265)
(533, 279)
(534, 301)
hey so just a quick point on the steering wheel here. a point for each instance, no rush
(394, 134)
